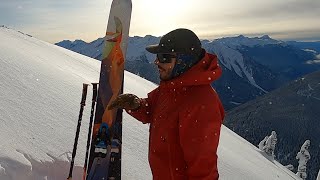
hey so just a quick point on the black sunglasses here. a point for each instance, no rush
(165, 58)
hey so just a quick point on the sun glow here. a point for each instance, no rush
(162, 15)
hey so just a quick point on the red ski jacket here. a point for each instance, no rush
(185, 116)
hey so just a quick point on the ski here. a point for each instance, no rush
(82, 104)
(105, 152)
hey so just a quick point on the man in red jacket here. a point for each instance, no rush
(184, 112)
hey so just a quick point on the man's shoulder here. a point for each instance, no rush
(201, 90)
(202, 93)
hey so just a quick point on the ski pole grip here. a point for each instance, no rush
(95, 92)
(84, 94)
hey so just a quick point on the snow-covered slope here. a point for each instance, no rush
(233, 60)
(40, 92)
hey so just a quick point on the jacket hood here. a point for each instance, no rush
(204, 72)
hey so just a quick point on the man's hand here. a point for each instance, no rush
(125, 101)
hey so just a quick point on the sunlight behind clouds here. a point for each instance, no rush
(57, 20)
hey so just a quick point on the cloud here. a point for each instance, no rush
(310, 50)
(275, 10)
(315, 61)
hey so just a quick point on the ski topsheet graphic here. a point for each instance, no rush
(105, 151)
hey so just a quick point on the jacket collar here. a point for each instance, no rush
(204, 72)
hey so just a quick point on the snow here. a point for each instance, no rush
(227, 50)
(303, 156)
(241, 40)
(232, 59)
(40, 87)
(136, 47)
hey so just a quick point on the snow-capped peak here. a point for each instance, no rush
(265, 37)
(241, 40)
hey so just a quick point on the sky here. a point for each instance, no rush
(57, 20)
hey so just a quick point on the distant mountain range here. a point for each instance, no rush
(293, 111)
(252, 66)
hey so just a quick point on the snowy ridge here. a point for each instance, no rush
(235, 42)
(137, 45)
(40, 87)
(225, 48)
(84, 48)
(233, 60)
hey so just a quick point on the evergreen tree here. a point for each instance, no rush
(303, 156)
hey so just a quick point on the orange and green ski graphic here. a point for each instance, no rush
(105, 151)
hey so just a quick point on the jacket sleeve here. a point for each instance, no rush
(143, 113)
(200, 125)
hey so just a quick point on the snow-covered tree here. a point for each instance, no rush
(271, 144)
(303, 156)
(263, 143)
(290, 167)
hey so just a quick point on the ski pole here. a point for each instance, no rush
(82, 104)
(94, 100)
